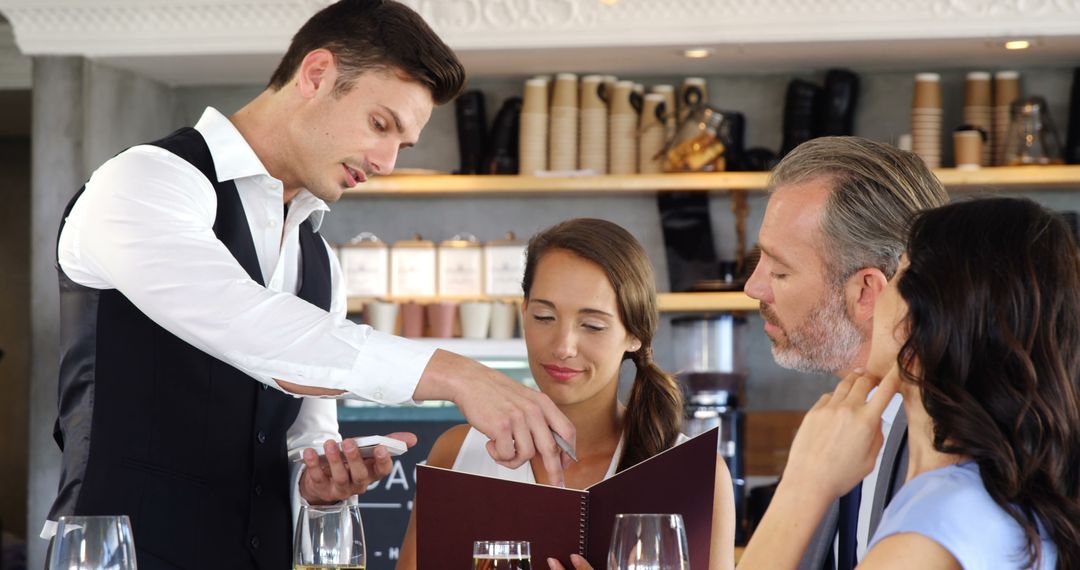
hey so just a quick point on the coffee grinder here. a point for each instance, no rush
(708, 358)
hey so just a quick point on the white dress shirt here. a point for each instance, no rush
(144, 226)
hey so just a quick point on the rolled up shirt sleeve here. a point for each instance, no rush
(144, 227)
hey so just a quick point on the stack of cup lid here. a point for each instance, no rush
(1006, 91)
(668, 92)
(622, 130)
(692, 93)
(977, 108)
(593, 128)
(652, 133)
(926, 119)
(562, 148)
(533, 133)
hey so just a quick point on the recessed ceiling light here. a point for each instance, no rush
(697, 53)
(1017, 44)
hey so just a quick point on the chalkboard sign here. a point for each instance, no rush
(386, 506)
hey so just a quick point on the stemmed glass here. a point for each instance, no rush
(501, 555)
(93, 543)
(329, 537)
(648, 542)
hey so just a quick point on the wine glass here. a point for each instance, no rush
(648, 542)
(501, 555)
(329, 537)
(93, 543)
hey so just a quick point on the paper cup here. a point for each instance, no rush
(503, 319)
(412, 319)
(441, 318)
(967, 149)
(475, 319)
(381, 316)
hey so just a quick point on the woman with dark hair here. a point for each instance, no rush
(980, 333)
(590, 304)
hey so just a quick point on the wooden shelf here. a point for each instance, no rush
(1064, 177)
(668, 302)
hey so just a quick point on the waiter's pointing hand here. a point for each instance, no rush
(516, 419)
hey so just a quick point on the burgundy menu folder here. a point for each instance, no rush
(454, 509)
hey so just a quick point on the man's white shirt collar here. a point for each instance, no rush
(235, 159)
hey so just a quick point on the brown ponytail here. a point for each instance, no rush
(654, 411)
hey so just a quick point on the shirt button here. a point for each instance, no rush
(254, 542)
(261, 436)
(258, 490)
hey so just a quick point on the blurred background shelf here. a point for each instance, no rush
(668, 302)
(1014, 178)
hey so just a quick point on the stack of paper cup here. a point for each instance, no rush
(668, 91)
(926, 119)
(652, 132)
(533, 134)
(692, 93)
(593, 129)
(977, 107)
(1006, 90)
(622, 130)
(562, 148)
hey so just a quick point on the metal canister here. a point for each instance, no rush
(412, 268)
(365, 266)
(461, 267)
(504, 266)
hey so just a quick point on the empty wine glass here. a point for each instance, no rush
(329, 537)
(93, 543)
(648, 542)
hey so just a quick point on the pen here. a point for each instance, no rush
(564, 445)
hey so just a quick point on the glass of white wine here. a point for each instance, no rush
(329, 537)
(648, 542)
(93, 543)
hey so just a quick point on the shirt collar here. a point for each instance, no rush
(234, 158)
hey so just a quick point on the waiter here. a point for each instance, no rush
(198, 301)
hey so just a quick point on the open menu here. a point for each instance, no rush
(454, 509)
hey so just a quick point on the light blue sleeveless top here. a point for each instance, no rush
(951, 507)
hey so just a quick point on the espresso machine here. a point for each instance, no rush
(708, 357)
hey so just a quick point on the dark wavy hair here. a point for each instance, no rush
(993, 295)
(654, 411)
(375, 35)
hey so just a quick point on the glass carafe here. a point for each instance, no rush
(701, 142)
(1032, 138)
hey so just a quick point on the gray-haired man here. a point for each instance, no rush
(833, 233)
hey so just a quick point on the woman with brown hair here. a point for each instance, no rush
(590, 304)
(980, 333)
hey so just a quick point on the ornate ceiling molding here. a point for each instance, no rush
(179, 27)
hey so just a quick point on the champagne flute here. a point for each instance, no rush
(329, 537)
(93, 543)
(501, 555)
(648, 542)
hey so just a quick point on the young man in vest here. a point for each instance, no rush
(198, 300)
(834, 229)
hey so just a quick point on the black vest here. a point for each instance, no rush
(190, 448)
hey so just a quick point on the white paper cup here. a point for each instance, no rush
(475, 319)
(503, 319)
(381, 315)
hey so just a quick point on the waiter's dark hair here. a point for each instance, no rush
(375, 35)
(993, 295)
(653, 415)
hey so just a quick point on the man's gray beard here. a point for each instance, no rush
(825, 342)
